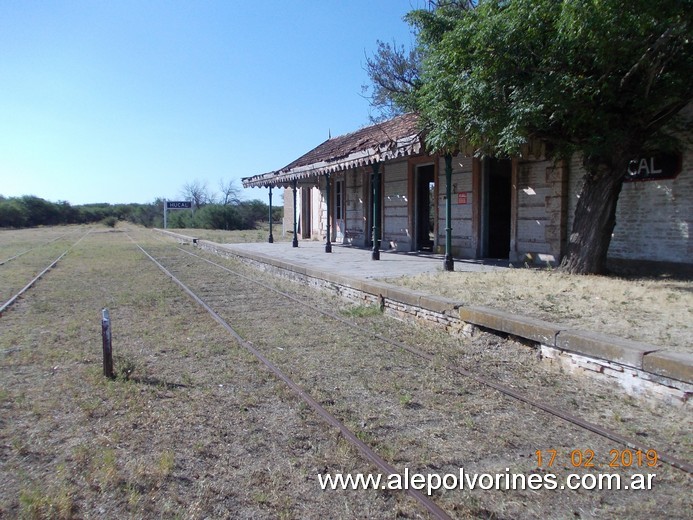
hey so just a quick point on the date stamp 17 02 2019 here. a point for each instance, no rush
(624, 458)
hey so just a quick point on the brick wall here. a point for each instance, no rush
(395, 226)
(289, 210)
(463, 244)
(542, 187)
(654, 219)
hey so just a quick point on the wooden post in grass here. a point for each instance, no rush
(107, 348)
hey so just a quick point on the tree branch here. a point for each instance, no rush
(648, 55)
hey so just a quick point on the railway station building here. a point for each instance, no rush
(519, 209)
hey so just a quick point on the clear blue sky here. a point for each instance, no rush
(127, 100)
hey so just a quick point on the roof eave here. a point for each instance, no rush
(403, 147)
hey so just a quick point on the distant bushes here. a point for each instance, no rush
(31, 211)
(241, 215)
(110, 221)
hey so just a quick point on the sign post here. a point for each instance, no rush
(175, 204)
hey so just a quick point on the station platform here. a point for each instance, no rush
(638, 368)
(357, 262)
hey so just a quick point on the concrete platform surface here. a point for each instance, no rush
(357, 263)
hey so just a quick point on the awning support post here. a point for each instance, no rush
(449, 264)
(376, 211)
(294, 243)
(271, 238)
(328, 244)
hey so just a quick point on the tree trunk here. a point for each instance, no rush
(595, 217)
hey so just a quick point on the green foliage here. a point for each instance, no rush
(110, 221)
(13, 213)
(583, 75)
(242, 215)
(41, 212)
(31, 211)
(394, 72)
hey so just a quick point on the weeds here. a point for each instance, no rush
(133, 494)
(165, 464)
(105, 471)
(187, 379)
(110, 222)
(90, 405)
(125, 365)
(20, 446)
(363, 311)
(261, 497)
(35, 503)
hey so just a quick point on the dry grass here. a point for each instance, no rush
(657, 311)
(16, 241)
(194, 427)
(36, 248)
(259, 234)
(197, 429)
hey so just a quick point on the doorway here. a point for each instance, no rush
(368, 209)
(305, 224)
(496, 192)
(339, 211)
(424, 208)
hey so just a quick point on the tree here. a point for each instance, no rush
(229, 192)
(196, 192)
(251, 212)
(12, 213)
(217, 216)
(40, 212)
(394, 77)
(602, 78)
(394, 71)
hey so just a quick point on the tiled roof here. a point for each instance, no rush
(397, 137)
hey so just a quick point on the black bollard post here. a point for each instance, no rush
(107, 347)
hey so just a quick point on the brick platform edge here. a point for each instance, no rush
(640, 369)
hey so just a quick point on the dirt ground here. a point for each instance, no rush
(194, 427)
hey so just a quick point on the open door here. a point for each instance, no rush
(424, 208)
(496, 189)
(339, 216)
(306, 213)
(368, 209)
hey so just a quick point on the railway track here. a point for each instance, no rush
(314, 337)
(24, 252)
(503, 389)
(33, 267)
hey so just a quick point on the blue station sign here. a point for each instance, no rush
(178, 204)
